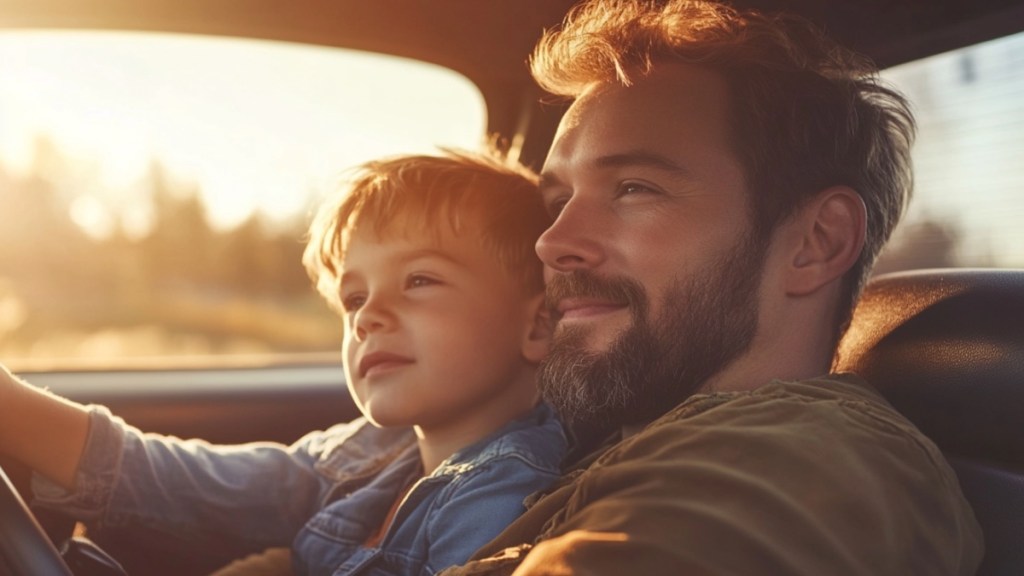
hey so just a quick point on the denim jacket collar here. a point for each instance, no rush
(368, 449)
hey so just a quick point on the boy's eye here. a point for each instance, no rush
(353, 302)
(419, 280)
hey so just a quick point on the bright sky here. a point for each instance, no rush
(257, 125)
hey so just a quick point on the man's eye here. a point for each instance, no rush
(353, 302)
(556, 205)
(627, 188)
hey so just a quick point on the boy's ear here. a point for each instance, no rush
(828, 237)
(537, 338)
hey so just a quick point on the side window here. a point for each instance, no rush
(155, 188)
(968, 201)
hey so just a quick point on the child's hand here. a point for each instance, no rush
(8, 383)
(43, 431)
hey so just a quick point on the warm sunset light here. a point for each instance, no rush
(155, 187)
(254, 125)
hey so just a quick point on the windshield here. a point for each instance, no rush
(156, 187)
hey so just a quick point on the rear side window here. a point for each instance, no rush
(968, 202)
(155, 188)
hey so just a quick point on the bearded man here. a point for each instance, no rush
(721, 185)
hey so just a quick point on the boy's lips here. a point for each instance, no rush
(378, 361)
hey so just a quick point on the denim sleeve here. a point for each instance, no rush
(243, 497)
(479, 505)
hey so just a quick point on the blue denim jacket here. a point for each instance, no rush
(324, 495)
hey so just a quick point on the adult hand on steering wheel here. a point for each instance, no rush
(25, 549)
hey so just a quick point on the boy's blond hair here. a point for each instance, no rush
(484, 194)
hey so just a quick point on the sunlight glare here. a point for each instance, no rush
(89, 213)
(256, 125)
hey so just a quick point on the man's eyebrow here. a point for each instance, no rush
(548, 180)
(641, 158)
(633, 158)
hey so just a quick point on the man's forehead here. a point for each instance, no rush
(679, 106)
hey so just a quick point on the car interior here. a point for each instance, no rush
(943, 344)
(945, 348)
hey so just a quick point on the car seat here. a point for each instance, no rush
(946, 347)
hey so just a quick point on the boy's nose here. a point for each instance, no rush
(372, 317)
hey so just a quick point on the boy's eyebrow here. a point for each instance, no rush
(432, 253)
(407, 257)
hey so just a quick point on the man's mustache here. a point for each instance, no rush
(587, 284)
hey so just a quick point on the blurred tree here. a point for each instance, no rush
(44, 252)
(191, 286)
(177, 249)
(291, 242)
(247, 260)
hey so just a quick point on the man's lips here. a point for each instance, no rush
(581, 308)
(381, 361)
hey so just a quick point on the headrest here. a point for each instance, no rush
(946, 348)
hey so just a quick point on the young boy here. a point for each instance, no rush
(430, 261)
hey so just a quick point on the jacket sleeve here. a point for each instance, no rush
(796, 486)
(240, 498)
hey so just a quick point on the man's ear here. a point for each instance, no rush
(537, 338)
(829, 236)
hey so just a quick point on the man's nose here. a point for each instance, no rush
(575, 239)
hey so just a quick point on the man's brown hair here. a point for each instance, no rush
(485, 195)
(806, 113)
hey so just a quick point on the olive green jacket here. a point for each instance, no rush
(819, 478)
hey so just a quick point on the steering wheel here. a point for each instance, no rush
(24, 546)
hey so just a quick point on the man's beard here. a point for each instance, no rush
(706, 322)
